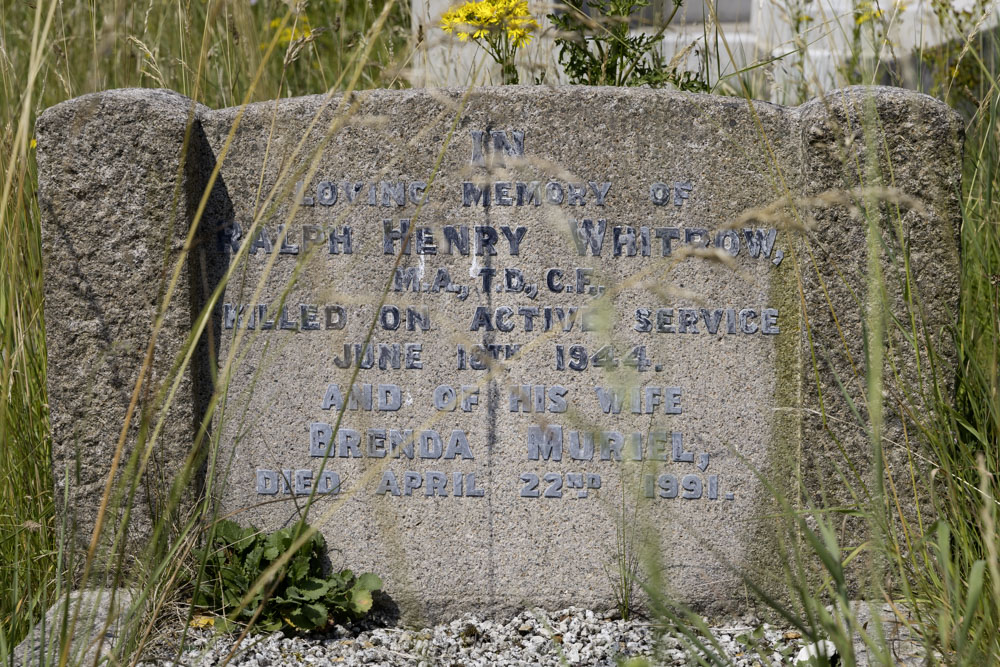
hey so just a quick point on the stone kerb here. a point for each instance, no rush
(484, 326)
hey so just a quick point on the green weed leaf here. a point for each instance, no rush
(303, 597)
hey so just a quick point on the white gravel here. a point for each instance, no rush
(567, 637)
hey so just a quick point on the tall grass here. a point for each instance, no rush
(938, 570)
(960, 593)
(945, 571)
(27, 522)
(214, 52)
(942, 567)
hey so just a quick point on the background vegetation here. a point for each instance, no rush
(213, 52)
(220, 53)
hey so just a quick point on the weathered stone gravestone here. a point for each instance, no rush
(492, 330)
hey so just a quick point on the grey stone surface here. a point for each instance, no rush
(97, 616)
(748, 401)
(115, 201)
(912, 189)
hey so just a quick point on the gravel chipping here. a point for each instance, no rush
(570, 636)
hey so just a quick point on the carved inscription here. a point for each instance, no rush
(566, 299)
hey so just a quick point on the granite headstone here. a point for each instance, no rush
(496, 333)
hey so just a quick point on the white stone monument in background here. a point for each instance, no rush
(730, 35)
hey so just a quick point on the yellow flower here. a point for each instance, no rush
(32, 144)
(498, 26)
(484, 18)
(202, 621)
(869, 12)
(300, 30)
(518, 36)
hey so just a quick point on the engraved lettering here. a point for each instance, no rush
(586, 235)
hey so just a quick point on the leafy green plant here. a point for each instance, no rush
(302, 597)
(604, 51)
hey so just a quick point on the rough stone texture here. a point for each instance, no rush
(99, 615)
(114, 216)
(897, 157)
(749, 401)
